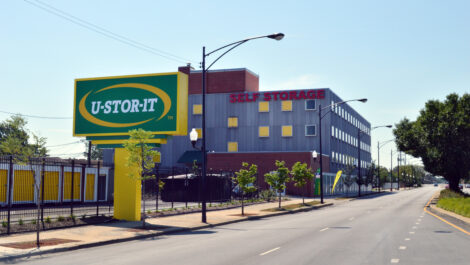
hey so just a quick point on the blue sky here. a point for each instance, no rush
(398, 54)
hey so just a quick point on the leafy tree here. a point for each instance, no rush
(245, 179)
(15, 140)
(301, 175)
(371, 172)
(141, 156)
(348, 179)
(278, 179)
(440, 136)
(96, 153)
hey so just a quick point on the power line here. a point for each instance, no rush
(76, 142)
(37, 117)
(97, 29)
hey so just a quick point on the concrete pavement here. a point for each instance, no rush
(94, 235)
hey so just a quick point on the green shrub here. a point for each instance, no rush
(60, 219)
(33, 222)
(4, 223)
(268, 195)
(48, 220)
(20, 222)
(72, 217)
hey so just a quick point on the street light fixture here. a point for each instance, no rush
(320, 117)
(359, 131)
(233, 45)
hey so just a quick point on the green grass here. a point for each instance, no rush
(291, 207)
(454, 202)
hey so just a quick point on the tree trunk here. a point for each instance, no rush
(454, 184)
(280, 194)
(243, 206)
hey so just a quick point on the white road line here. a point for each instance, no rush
(324, 229)
(407, 239)
(394, 260)
(352, 218)
(269, 251)
(414, 227)
(419, 220)
(402, 248)
(417, 223)
(412, 232)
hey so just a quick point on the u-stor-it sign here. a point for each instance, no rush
(114, 105)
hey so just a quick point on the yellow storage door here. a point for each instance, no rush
(76, 185)
(23, 188)
(3, 185)
(51, 186)
(90, 187)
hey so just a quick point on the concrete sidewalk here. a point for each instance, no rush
(95, 235)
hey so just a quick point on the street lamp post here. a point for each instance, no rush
(359, 175)
(378, 158)
(233, 45)
(320, 117)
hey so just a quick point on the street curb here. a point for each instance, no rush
(170, 231)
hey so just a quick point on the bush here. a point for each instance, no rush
(20, 222)
(4, 223)
(268, 195)
(48, 220)
(60, 219)
(33, 222)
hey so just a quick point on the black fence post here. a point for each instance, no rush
(186, 185)
(158, 189)
(71, 187)
(10, 181)
(172, 184)
(97, 189)
(42, 191)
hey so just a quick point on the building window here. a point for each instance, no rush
(310, 130)
(263, 131)
(263, 106)
(286, 105)
(310, 104)
(287, 131)
(232, 122)
(332, 131)
(232, 146)
(197, 109)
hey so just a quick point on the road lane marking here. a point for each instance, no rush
(443, 220)
(419, 220)
(402, 248)
(395, 261)
(407, 239)
(414, 227)
(417, 223)
(352, 218)
(324, 229)
(412, 232)
(269, 251)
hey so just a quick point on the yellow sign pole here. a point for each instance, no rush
(127, 190)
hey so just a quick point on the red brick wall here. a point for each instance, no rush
(223, 81)
(266, 163)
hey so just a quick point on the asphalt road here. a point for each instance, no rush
(387, 229)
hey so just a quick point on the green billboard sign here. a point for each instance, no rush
(108, 106)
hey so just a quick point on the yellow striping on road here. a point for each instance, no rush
(443, 220)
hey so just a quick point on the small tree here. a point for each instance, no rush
(245, 179)
(141, 157)
(370, 173)
(348, 179)
(278, 179)
(300, 175)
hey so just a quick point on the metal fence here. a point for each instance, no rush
(50, 189)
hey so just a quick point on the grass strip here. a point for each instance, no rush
(291, 207)
(454, 202)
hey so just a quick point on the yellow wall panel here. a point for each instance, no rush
(287, 131)
(127, 191)
(232, 122)
(263, 106)
(286, 105)
(232, 146)
(3, 185)
(51, 185)
(23, 188)
(197, 109)
(76, 185)
(263, 131)
(199, 133)
(90, 187)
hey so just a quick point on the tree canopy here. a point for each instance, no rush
(15, 139)
(440, 136)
